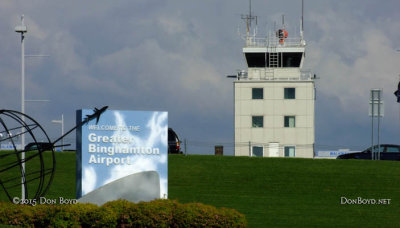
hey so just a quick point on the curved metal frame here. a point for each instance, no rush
(42, 187)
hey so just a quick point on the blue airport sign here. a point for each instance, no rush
(120, 144)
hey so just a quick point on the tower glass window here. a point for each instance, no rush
(290, 93)
(257, 121)
(255, 59)
(290, 151)
(292, 59)
(257, 93)
(290, 121)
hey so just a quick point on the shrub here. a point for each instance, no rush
(17, 215)
(121, 213)
(158, 213)
(200, 215)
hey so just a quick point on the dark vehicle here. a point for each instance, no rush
(173, 142)
(387, 152)
(38, 146)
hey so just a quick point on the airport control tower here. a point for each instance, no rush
(274, 98)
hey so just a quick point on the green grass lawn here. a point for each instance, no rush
(279, 192)
(64, 178)
(275, 192)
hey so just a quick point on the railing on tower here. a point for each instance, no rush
(305, 75)
(272, 41)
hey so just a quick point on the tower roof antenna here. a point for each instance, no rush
(302, 15)
(302, 23)
(248, 18)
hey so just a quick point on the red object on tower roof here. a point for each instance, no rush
(282, 34)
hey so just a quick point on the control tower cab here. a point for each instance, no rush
(274, 98)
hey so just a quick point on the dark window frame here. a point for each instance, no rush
(254, 121)
(256, 153)
(288, 95)
(254, 94)
(287, 154)
(287, 121)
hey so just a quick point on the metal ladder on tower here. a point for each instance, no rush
(273, 62)
(273, 59)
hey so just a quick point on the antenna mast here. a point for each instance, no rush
(248, 18)
(302, 21)
(302, 15)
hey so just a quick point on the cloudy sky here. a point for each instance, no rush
(174, 55)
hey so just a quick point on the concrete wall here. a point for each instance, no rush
(273, 107)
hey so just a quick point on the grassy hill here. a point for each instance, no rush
(279, 192)
(276, 192)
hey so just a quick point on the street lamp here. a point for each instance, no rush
(22, 29)
(62, 129)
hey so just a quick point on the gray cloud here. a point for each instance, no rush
(174, 55)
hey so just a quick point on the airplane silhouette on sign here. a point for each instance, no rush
(96, 114)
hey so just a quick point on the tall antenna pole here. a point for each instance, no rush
(302, 16)
(23, 193)
(248, 18)
(302, 22)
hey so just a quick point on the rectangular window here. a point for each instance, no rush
(376, 149)
(392, 149)
(255, 59)
(290, 93)
(257, 121)
(290, 151)
(292, 59)
(290, 121)
(257, 93)
(258, 151)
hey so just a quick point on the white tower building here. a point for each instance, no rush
(274, 98)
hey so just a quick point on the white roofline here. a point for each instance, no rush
(268, 49)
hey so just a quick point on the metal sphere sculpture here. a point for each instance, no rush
(36, 176)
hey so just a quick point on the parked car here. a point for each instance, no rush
(387, 152)
(38, 146)
(173, 142)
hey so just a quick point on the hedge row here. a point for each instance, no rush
(121, 213)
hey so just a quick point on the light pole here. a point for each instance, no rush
(22, 29)
(62, 129)
(376, 110)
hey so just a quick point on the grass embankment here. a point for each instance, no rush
(275, 192)
(63, 183)
(278, 192)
